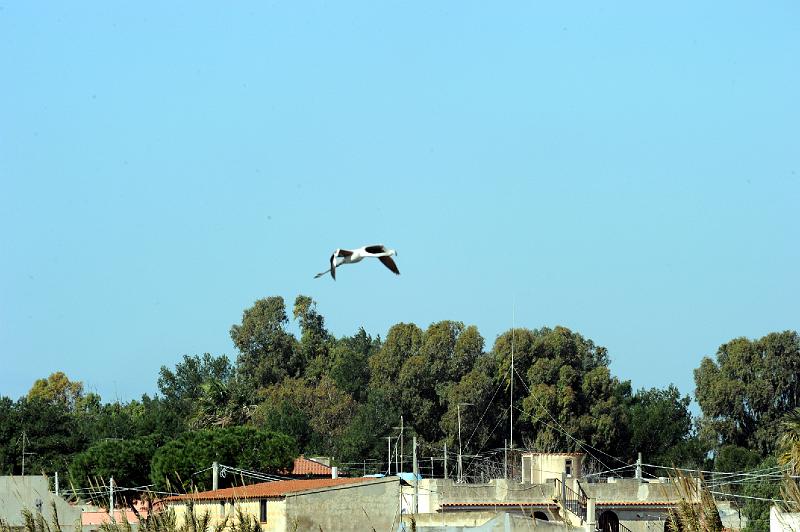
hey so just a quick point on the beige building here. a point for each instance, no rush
(326, 504)
(553, 493)
(538, 468)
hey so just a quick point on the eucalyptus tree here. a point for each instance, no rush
(748, 388)
(567, 395)
(267, 351)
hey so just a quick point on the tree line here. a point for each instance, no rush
(323, 395)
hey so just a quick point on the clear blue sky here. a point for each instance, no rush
(628, 170)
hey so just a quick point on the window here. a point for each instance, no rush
(222, 508)
(568, 467)
(263, 510)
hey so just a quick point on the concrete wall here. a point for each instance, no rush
(783, 522)
(358, 507)
(481, 522)
(498, 490)
(631, 490)
(18, 493)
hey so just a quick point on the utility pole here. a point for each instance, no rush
(401, 443)
(56, 483)
(111, 499)
(639, 467)
(460, 464)
(215, 476)
(389, 455)
(416, 478)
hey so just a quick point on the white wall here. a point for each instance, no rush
(783, 522)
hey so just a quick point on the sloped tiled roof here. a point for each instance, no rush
(267, 490)
(538, 504)
(306, 466)
(666, 504)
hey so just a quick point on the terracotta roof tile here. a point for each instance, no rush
(500, 504)
(306, 466)
(266, 490)
(636, 503)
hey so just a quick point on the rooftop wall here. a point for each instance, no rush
(361, 506)
(32, 492)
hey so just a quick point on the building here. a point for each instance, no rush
(553, 492)
(313, 504)
(18, 493)
(312, 468)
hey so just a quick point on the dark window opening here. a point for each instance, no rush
(540, 515)
(263, 510)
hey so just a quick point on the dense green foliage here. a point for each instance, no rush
(128, 461)
(342, 397)
(749, 388)
(174, 465)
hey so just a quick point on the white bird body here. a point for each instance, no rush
(352, 256)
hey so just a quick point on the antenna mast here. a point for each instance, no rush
(511, 407)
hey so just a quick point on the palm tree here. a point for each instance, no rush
(222, 403)
(789, 442)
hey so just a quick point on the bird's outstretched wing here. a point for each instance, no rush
(389, 263)
(376, 248)
(333, 264)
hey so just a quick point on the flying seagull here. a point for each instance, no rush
(351, 256)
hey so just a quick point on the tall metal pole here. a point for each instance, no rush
(505, 459)
(215, 476)
(401, 442)
(511, 408)
(458, 410)
(24, 454)
(389, 455)
(56, 483)
(445, 461)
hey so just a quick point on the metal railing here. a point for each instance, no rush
(574, 501)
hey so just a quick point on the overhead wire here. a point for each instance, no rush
(580, 443)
